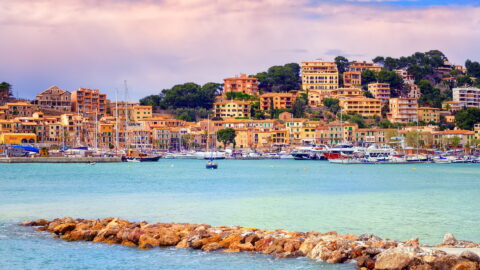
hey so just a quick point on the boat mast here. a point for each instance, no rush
(116, 121)
(96, 130)
(126, 116)
(341, 126)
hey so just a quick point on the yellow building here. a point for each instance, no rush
(362, 66)
(380, 91)
(278, 100)
(141, 112)
(315, 98)
(428, 114)
(319, 75)
(346, 93)
(352, 79)
(6, 126)
(403, 110)
(228, 109)
(17, 138)
(367, 107)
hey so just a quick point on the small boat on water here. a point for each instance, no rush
(211, 165)
(139, 157)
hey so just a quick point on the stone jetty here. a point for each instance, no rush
(367, 251)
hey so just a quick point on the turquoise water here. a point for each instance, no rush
(395, 201)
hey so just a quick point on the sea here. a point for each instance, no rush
(399, 202)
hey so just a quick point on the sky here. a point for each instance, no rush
(155, 44)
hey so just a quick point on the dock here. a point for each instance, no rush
(60, 159)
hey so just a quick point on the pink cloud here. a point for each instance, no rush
(155, 44)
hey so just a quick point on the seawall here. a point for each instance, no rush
(366, 251)
(60, 159)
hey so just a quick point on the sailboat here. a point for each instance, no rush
(210, 163)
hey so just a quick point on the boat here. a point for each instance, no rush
(310, 153)
(133, 160)
(211, 165)
(341, 150)
(133, 156)
(442, 159)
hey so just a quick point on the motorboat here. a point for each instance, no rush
(211, 165)
(209, 155)
(341, 150)
(310, 153)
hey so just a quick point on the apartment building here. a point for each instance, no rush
(346, 93)
(228, 109)
(403, 110)
(241, 84)
(17, 109)
(352, 79)
(89, 101)
(54, 98)
(380, 91)
(141, 112)
(428, 114)
(362, 66)
(467, 96)
(277, 100)
(319, 75)
(367, 107)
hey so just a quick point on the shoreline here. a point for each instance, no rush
(367, 251)
(60, 160)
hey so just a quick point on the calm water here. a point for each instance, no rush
(395, 201)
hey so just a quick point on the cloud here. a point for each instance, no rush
(156, 44)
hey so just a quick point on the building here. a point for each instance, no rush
(241, 84)
(413, 91)
(319, 75)
(54, 98)
(17, 138)
(403, 110)
(367, 107)
(123, 108)
(346, 93)
(452, 106)
(446, 137)
(373, 135)
(362, 66)
(315, 98)
(336, 132)
(232, 109)
(467, 96)
(141, 112)
(352, 79)
(476, 129)
(89, 101)
(277, 100)
(380, 91)
(428, 114)
(17, 109)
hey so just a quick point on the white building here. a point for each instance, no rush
(467, 96)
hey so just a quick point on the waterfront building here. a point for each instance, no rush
(373, 135)
(335, 132)
(380, 91)
(319, 75)
(228, 109)
(467, 96)
(89, 101)
(367, 107)
(17, 138)
(476, 129)
(241, 84)
(6, 126)
(352, 79)
(428, 114)
(445, 138)
(277, 100)
(403, 110)
(54, 98)
(362, 66)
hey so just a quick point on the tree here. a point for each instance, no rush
(368, 94)
(299, 107)
(342, 64)
(385, 124)
(280, 78)
(368, 76)
(226, 136)
(332, 104)
(467, 118)
(464, 81)
(391, 134)
(473, 68)
(152, 100)
(411, 138)
(379, 60)
(190, 95)
(431, 96)
(240, 96)
(395, 81)
(455, 141)
(5, 90)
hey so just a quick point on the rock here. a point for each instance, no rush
(445, 262)
(449, 239)
(308, 245)
(393, 261)
(211, 247)
(369, 237)
(291, 245)
(262, 244)
(422, 267)
(466, 265)
(251, 238)
(168, 238)
(275, 247)
(183, 244)
(63, 228)
(336, 257)
(320, 252)
(471, 256)
(365, 261)
(147, 241)
(429, 258)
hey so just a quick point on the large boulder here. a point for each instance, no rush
(387, 261)
(465, 265)
(63, 228)
(449, 239)
(471, 256)
(147, 241)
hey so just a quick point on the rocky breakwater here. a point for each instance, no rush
(365, 251)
